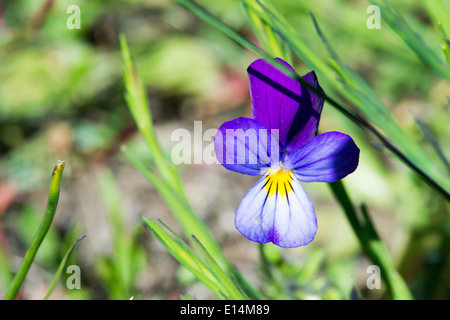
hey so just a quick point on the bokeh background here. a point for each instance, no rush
(61, 97)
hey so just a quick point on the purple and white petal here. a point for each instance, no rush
(306, 121)
(276, 209)
(244, 145)
(255, 215)
(295, 220)
(275, 96)
(328, 157)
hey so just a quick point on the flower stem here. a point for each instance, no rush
(371, 244)
(40, 234)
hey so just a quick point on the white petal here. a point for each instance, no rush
(295, 220)
(276, 209)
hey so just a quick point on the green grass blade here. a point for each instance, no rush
(120, 269)
(445, 44)
(267, 36)
(181, 252)
(5, 269)
(433, 142)
(223, 278)
(412, 39)
(136, 99)
(61, 267)
(168, 183)
(47, 219)
(372, 246)
(438, 10)
(207, 17)
(189, 221)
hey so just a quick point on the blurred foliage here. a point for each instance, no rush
(61, 96)
(120, 271)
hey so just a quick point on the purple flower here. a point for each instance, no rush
(281, 143)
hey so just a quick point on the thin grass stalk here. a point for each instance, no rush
(169, 183)
(46, 222)
(371, 244)
(61, 267)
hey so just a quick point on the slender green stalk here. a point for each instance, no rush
(267, 36)
(265, 263)
(118, 271)
(433, 142)
(5, 267)
(169, 184)
(181, 209)
(203, 14)
(445, 44)
(61, 267)
(209, 272)
(191, 222)
(398, 24)
(438, 12)
(165, 177)
(137, 101)
(223, 278)
(52, 203)
(371, 244)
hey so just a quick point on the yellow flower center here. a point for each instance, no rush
(278, 182)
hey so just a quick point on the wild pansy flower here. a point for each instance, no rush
(280, 143)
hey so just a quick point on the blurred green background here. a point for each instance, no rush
(61, 97)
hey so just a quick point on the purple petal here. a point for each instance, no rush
(244, 145)
(275, 96)
(306, 121)
(276, 209)
(326, 158)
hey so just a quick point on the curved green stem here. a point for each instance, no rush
(61, 267)
(371, 244)
(52, 203)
